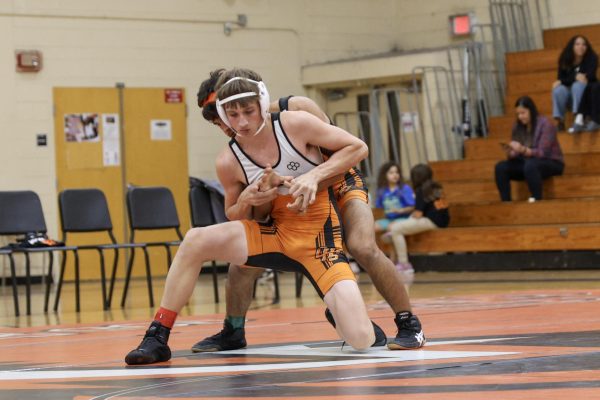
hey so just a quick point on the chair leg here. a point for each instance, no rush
(169, 257)
(60, 281)
(254, 289)
(13, 273)
(48, 281)
(149, 277)
(112, 278)
(77, 297)
(215, 281)
(103, 277)
(28, 282)
(276, 282)
(127, 277)
(299, 280)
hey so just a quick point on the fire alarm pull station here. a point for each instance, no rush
(28, 60)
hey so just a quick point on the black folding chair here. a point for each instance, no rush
(13, 278)
(21, 213)
(150, 208)
(86, 210)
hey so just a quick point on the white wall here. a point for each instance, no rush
(572, 13)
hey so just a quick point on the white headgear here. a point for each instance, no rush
(263, 100)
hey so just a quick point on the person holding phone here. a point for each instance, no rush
(533, 153)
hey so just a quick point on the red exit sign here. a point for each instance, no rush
(173, 95)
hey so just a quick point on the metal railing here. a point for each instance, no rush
(358, 121)
(429, 119)
(521, 22)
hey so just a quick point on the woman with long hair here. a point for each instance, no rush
(577, 66)
(533, 154)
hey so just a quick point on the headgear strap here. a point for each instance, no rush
(211, 98)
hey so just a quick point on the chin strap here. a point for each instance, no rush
(261, 127)
(264, 123)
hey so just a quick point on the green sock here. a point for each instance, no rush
(236, 322)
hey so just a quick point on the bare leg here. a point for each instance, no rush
(359, 228)
(350, 314)
(223, 242)
(239, 288)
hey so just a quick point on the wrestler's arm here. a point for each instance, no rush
(308, 130)
(301, 103)
(239, 198)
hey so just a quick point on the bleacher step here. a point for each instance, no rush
(558, 187)
(557, 38)
(463, 170)
(481, 148)
(568, 211)
(531, 82)
(500, 126)
(532, 61)
(507, 238)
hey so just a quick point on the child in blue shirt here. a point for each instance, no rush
(395, 197)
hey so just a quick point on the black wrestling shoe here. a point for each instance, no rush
(153, 348)
(410, 334)
(228, 339)
(329, 317)
(380, 337)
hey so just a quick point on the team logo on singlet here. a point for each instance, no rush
(293, 165)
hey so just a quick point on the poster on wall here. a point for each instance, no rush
(111, 145)
(410, 120)
(160, 129)
(81, 127)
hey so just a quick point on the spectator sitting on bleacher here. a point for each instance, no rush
(394, 196)
(533, 153)
(431, 212)
(577, 66)
(589, 108)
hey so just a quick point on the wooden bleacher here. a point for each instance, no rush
(569, 216)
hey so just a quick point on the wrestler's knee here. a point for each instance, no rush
(364, 251)
(348, 308)
(193, 242)
(361, 337)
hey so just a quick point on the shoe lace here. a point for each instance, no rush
(226, 331)
(409, 326)
(150, 335)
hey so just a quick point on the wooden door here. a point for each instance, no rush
(101, 143)
(80, 140)
(156, 155)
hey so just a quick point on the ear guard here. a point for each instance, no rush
(263, 100)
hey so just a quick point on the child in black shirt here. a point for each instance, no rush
(431, 212)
